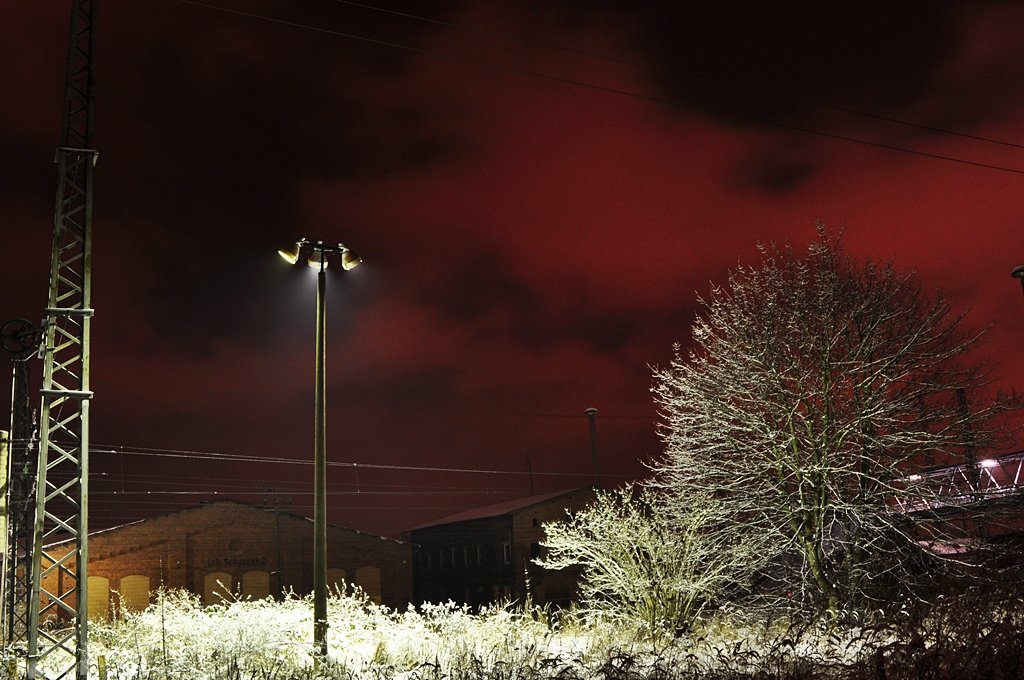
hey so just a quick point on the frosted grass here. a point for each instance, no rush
(272, 640)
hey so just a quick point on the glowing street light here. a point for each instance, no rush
(318, 255)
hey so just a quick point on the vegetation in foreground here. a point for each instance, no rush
(974, 635)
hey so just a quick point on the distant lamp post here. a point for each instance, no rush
(590, 413)
(1018, 273)
(318, 254)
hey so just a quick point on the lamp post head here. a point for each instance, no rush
(319, 252)
(1018, 273)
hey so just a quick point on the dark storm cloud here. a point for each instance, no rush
(487, 294)
(779, 177)
(484, 285)
(266, 106)
(779, 168)
(490, 293)
(763, 62)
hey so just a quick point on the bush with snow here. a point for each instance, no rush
(973, 634)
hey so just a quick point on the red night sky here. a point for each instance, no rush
(541, 191)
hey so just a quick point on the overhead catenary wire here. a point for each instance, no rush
(637, 95)
(264, 485)
(269, 487)
(260, 487)
(228, 457)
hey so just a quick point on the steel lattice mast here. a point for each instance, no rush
(21, 338)
(59, 583)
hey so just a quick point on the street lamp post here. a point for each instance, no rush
(590, 413)
(318, 260)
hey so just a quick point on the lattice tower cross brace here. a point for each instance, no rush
(60, 578)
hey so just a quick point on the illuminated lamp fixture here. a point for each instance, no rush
(914, 478)
(349, 260)
(317, 260)
(989, 463)
(291, 253)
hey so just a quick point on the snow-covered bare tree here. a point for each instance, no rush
(813, 386)
(641, 563)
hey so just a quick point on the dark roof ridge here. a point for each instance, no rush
(498, 509)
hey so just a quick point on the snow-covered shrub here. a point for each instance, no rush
(641, 563)
(974, 634)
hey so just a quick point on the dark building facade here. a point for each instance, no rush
(486, 555)
(228, 549)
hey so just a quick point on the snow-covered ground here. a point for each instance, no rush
(268, 640)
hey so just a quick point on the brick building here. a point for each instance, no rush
(227, 546)
(485, 555)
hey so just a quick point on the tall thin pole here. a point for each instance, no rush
(590, 413)
(5, 470)
(320, 474)
(319, 259)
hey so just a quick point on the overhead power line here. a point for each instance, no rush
(266, 486)
(636, 95)
(309, 493)
(230, 457)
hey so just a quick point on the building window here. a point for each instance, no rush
(256, 585)
(135, 592)
(336, 580)
(99, 598)
(453, 557)
(506, 551)
(430, 561)
(368, 580)
(217, 587)
(465, 555)
(440, 558)
(479, 555)
(534, 550)
(535, 522)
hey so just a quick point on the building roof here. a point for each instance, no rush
(207, 504)
(498, 509)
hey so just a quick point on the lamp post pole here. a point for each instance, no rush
(320, 473)
(318, 259)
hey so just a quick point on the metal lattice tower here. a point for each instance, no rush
(21, 339)
(58, 605)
